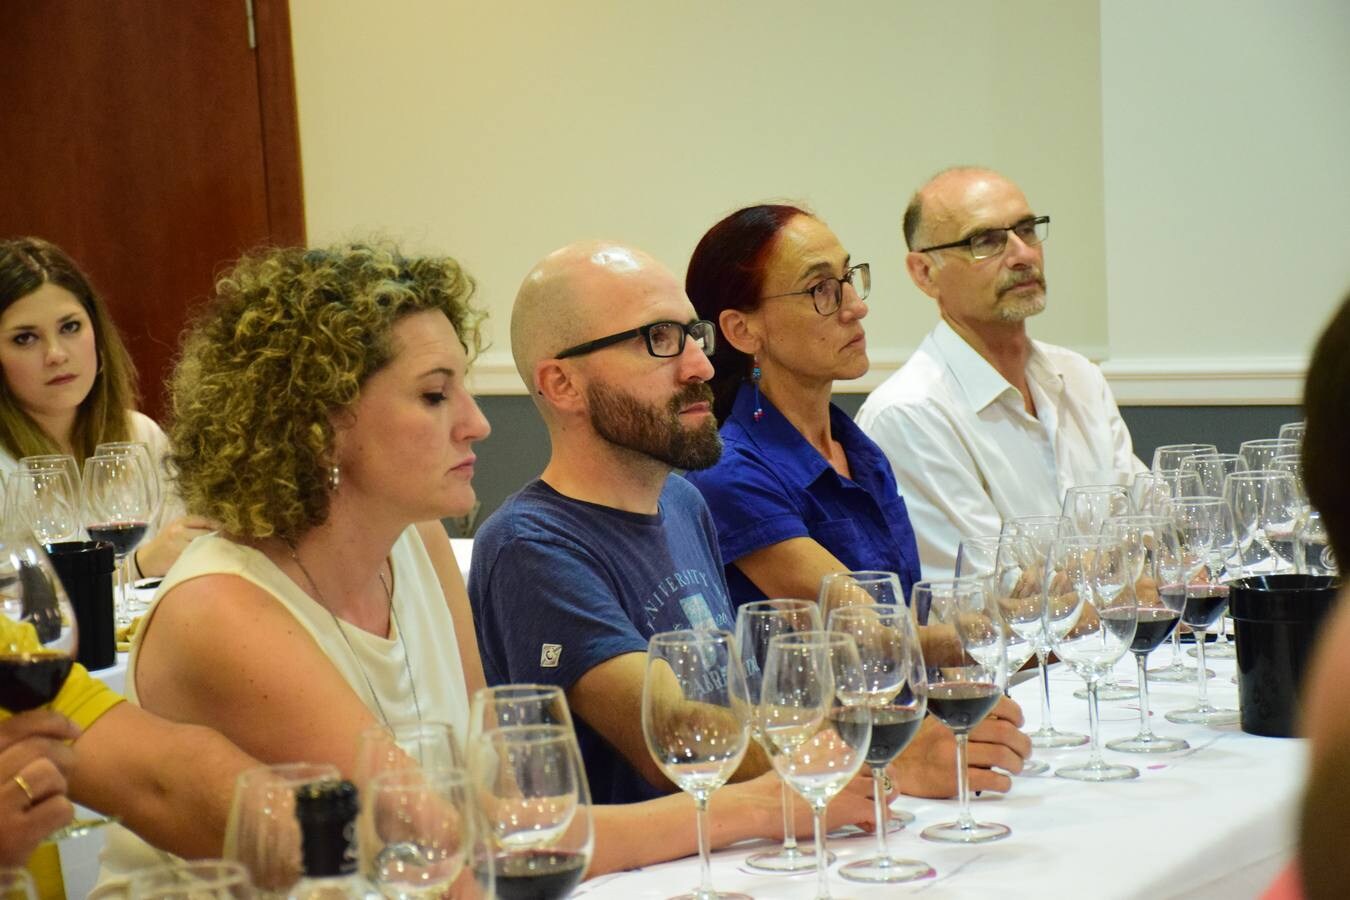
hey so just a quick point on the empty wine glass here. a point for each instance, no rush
(896, 685)
(45, 503)
(1212, 469)
(813, 706)
(115, 503)
(1149, 545)
(1207, 541)
(696, 722)
(1087, 507)
(415, 827)
(1091, 619)
(966, 658)
(1260, 453)
(1315, 556)
(1293, 431)
(1038, 534)
(1169, 456)
(45, 462)
(518, 704)
(262, 832)
(198, 879)
(1266, 512)
(757, 623)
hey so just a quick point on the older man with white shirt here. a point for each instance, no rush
(984, 424)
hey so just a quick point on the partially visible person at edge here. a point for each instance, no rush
(983, 424)
(575, 572)
(800, 492)
(1325, 820)
(69, 384)
(321, 415)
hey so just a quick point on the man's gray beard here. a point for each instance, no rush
(1019, 309)
(648, 430)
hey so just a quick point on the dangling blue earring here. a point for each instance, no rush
(754, 379)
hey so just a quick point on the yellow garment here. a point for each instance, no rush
(82, 699)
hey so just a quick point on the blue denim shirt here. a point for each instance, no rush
(771, 485)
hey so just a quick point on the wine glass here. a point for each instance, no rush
(896, 685)
(262, 832)
(756, 624)
(1169, 456)
(140, 451)
(695, 719)
(1260, 453)
(16, 884)
(1087, 507)
(415, 827)
(967, 673)
(45, 503)
(517, 704)
(1002, 562)
(813, 706)
(1212, 469)
(1207, 541)
(1038, 533)
(1315, 555)
(1149, 544)
(535, 806)
(115, 501)
(1266, 511)
(198, 879)
(1091, 618)
(46, 462)
(1293, 431)
(406, 745)
(39, 637)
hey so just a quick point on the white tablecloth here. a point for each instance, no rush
(1215, 821)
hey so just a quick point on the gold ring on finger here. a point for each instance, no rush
(24, 786)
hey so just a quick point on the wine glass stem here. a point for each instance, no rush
(822, 861)
(964, 819)
(882, 808)
(789, 823)
(1200, 633)
(1177, 662)
(1095, 758)
(705, 889)
(1141, 660)
(1041, 658)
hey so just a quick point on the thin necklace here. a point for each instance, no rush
(337, 623)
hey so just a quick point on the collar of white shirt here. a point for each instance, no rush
(980, 381)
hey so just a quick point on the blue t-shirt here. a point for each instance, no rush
(771, 485)
(559, 586)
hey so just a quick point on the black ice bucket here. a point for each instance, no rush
(1276, 619)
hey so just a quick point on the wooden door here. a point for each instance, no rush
(153, 140)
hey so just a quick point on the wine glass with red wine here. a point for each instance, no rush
(116, 503)
(38, 634)
(966, 657)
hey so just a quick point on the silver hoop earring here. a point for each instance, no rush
(334, 478)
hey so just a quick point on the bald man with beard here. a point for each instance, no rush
(573, 574)
(983, 423)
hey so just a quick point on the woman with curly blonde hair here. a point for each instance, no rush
(321, 415)
(68, 383)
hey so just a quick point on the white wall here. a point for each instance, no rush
(497, 131)
(1226, 134)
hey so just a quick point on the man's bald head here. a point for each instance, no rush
(934, 201)
(570, 294)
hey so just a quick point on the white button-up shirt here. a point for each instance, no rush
(967, 454)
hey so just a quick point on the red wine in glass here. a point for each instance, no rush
(961, 705)
(30, 680)
(124, 536)
(537, 874)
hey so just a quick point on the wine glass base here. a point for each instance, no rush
(897, 819)
(1099, 771)
(1147, 744)
(972, 833)
(1196, 715)
(886, 870)
(1177, 674)
(787, 860)
(1121, 691)
(1033, 767)
(1052, 739)
(1216, 650)
(715, 895)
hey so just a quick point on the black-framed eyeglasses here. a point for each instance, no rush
(827, 295)
(992, 241)
(664, 339)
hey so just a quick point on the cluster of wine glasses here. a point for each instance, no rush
(113, 500)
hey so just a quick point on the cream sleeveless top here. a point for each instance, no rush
(428, 644)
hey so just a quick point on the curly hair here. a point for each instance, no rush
(283, 347)
(26, 264)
